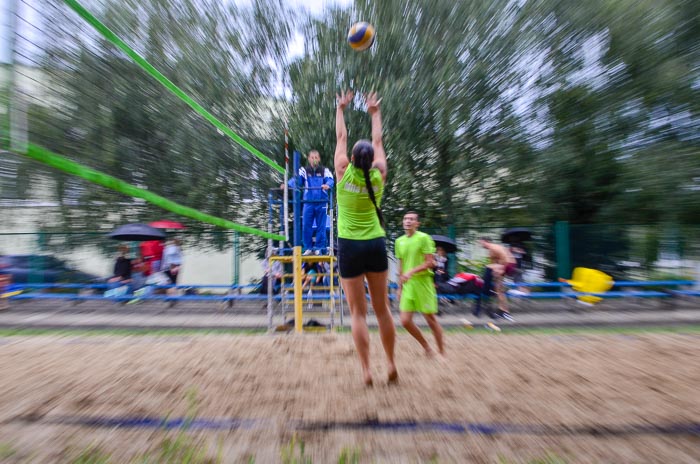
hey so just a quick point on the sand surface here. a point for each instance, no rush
(588, 392)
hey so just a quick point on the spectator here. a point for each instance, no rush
(152, 255)
(139, 272)
(312, 274)
(172, 260)
(502, 265)
(122, 267)
(441, 274)
(520, 254)
(276, 271)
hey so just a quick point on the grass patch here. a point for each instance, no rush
(180, 449)
(290, 455)
(6, 451)
(92, 455)
(29, 332)
(548, 459)
(349, 456)
(26, 332)
(684, 329)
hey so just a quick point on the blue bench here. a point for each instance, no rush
(38, 292)
(562, 291)
(686, 292)
(230, 297)
(610, 294)
(660, 290)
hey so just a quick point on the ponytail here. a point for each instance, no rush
(363, 156)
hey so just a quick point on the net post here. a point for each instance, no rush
(298, 308)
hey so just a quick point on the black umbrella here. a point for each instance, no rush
(516, 235)
(136, 233)
(447, 243)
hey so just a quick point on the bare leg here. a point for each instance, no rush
(355, 295)
(501, 293)
(377, 283)
(498, 272)
(412, 328)
(437, 332)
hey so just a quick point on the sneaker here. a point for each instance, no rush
(317, 253)
(307, 252)
(492, 326)
(506, 315)
(466, 324)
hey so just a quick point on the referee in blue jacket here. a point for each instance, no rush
(317, 180)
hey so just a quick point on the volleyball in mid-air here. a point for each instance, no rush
(361, 36)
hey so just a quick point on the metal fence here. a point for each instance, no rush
(627, 252)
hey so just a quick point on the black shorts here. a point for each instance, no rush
(355, 257)
(171, 276)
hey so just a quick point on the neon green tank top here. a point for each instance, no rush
(357, 218)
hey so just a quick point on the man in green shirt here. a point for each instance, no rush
(415, 252)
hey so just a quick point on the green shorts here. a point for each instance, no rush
(419, 295)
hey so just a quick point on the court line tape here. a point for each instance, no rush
(473, 428)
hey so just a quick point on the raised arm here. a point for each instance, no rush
(341, 160)
(376, 115)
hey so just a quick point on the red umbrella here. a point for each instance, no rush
(166, 224)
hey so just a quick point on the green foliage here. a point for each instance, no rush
(668, 275)
(651, 248)
(101, 110)
(515, 118)
(495, 112)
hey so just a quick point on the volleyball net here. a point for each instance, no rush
(143, 104)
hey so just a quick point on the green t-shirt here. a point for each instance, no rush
(357, 218)
(412, 250)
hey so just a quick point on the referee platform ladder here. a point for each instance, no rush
(314, 301)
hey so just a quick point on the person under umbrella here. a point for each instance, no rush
(122, 267)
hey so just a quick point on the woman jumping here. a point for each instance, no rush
(361, 236)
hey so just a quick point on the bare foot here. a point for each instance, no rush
(367, 377)
(393, 377)
(429, 352)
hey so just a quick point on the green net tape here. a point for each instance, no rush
(59, 162)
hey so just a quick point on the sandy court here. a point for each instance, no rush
(587, 391)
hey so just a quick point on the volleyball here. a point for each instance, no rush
(361, 36)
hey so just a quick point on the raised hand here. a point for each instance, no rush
(344, 98)
(372, 101)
